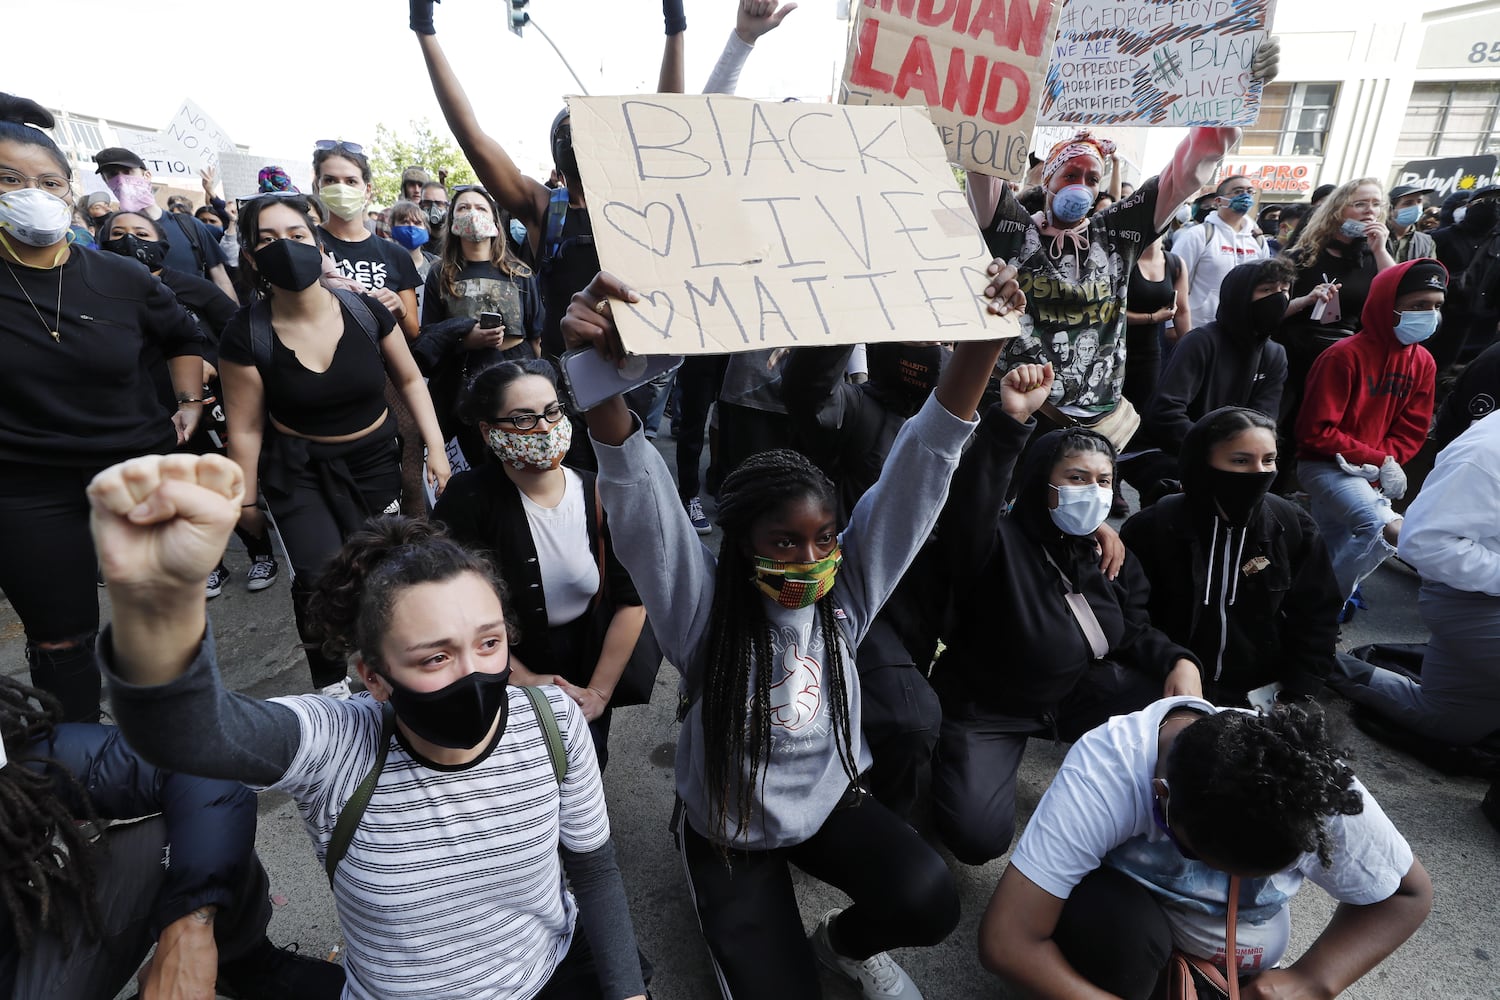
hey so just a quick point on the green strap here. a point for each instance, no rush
(550, 732)
(354, 809)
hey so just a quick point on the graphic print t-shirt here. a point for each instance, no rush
(374, 263)
(1075, 298)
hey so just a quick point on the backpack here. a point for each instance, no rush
(191, 235)
(568, 265)
(354, 809)
(261, 334)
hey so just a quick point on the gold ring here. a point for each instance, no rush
(602, 307)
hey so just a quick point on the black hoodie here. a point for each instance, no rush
(1255, 604)
(1014, 647)
(1224, 363)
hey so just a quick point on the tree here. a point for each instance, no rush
(418, 146)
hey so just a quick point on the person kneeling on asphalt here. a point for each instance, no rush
(84, 904)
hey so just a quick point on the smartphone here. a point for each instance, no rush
(591, 380)
(490, 321)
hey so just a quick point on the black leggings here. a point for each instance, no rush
(48, 571)
(1115, 934)
(315, 518)
(699, 378)
(903, 896)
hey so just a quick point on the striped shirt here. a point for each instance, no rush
(452, 885)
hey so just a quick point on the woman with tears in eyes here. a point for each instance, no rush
(304, 371)
(78, 392)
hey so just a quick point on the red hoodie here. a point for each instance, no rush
(1369, 395)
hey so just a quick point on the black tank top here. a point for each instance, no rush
(1147, 296)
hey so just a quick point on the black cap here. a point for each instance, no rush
(117, 156)
(1488, 191)
(1323, 191)
(1424, 275)
(1402, 190)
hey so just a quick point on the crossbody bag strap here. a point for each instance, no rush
(354, 809)
(1231, 940)
(1088, 622)
(553, 735)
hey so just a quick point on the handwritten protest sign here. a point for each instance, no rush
(976, 65)
(165, 160)
(1155, 62)
(196, 137)
(747, 224)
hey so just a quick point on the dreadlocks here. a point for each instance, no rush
(44, 855)
(737, 730)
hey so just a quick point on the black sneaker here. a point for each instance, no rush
(262, 573)
(695, 514)
(216, 581)
(272, 973)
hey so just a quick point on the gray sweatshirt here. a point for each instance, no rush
(674, 575)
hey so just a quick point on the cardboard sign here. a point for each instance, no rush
(165, 160)
(746, 224)
(1155, 62)
(975, 64)
(196, 137)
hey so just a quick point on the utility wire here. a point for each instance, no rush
(532, 22)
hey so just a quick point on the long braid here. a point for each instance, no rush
(46, 879)
(737, 729)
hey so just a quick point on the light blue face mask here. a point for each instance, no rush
(1242, 203)
(1071, 204)
(1415, 327)
(518, 231)
(1353, 229)
(1407, 216)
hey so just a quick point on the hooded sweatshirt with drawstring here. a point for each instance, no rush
(1223, 363)
(1369, 395)
(1255, 603)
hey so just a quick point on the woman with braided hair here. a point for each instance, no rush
(79, 909)
(770, 755)
(1166, 828)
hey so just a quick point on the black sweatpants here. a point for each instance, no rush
(700, 379)
(1115, 934)
(48, 571)
(128, 874)
(903, 896)
(315, 515)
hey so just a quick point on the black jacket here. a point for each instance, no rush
(1223, 363)
(1014, 645)
(210, 824)
(1275, 616)
(482, 509)
(1473, 396)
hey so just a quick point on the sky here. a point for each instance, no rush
(277, 82)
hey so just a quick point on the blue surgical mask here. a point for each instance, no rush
(1415, 327)
(518, 231)
(410, 237)
(1353, 229)
(1407, 216)
(1081, 509)
(1242, 203)
(1071, 204)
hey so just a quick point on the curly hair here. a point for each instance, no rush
(1326, 219)
(1255, 790)
(737, 731)
(352, 600)
(46, 877)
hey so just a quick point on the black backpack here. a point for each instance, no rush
(569, 263)
(260, 326)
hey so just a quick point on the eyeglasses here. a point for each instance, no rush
(427, 203)
(526, 421)
(348, 147)
(292, 199)
(14, 180)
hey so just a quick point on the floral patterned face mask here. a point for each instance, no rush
(537, 449)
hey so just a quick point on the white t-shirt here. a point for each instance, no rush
(570, 570)
(1098, 810)
(452, 885)
(1208, 253)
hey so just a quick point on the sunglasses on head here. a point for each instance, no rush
(348, 147)
(292, 199)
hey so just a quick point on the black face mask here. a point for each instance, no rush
(289, 265)
(1267, 313)
(1482, 215)
(149, 253)
(1237, 494)
(458, 716)
(904, 374)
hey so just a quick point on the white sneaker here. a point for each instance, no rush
(338, 690)
(878, 977)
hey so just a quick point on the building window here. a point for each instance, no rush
(87, 138)
(1294, 120)
(1450, 119)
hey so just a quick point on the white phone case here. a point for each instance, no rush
(591, 380)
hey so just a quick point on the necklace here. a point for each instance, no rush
(57, 320)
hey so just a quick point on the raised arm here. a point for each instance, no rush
(673, 78)
(518, 194)
(755, 18)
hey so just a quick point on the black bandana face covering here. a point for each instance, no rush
(458, 716)
(1238, 494)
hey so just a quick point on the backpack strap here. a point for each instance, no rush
(191, 235)
(360, 310)
(261, 334)
(557, 214)
(354, 809)
(550, 732)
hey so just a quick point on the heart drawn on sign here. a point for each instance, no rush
(640, 225)
(656, 310)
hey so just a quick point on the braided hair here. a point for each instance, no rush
(46, 879)
(1256, 790)
(737, 731)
